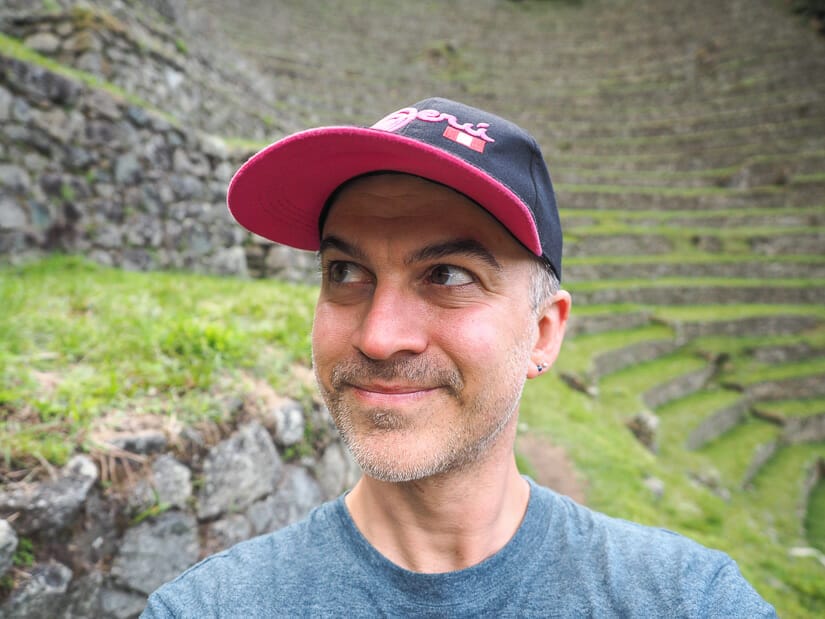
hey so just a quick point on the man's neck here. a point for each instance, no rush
(445, 523)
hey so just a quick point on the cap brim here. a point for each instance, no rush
(280, 192)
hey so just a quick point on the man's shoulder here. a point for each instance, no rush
(663, 569)
(281, 564)
(579, 524)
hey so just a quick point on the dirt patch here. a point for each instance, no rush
(552, 466)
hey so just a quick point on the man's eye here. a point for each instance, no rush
(345, 273)
(448, 275)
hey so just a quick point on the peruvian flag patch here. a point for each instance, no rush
(477, 144)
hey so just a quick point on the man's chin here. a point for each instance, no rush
(389, 461)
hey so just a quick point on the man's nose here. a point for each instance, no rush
(394, 322)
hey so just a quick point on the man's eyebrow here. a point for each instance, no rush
(467, 247)
(334, 242)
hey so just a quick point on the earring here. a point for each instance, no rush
(541, 367)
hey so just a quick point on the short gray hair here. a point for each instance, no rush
(543, 283)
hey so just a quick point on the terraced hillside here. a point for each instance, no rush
(687, 142)
(687, 145)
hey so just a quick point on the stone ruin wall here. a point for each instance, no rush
(88, 172)
(134, 48)
(99, 549)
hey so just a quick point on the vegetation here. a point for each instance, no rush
(79, 342)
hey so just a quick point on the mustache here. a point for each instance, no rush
(414, 371)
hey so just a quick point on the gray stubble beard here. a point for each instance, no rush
(461, 450)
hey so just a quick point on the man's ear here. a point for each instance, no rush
(552, 321)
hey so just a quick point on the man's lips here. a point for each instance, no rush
(390, 392)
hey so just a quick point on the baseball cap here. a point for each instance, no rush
(281, 192)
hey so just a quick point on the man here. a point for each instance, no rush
(440, 250)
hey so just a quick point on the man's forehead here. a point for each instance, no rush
(413, 220)
(397, 196)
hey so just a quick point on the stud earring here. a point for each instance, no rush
(541, 367)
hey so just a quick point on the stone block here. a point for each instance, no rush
(128, 169)
(156, 551)
(43, 595)
(170, 484)
(227, 532)
(297, 495)
(336, 471)
(718, 423)
(52, 505)
(12, 215)
(83, 597)
(644, 427)
(6, 101)
(288, 421)
(8, 546)
(81, 42)
(14, 178)
(239, 471)
(40, 84)
(119, 604)
(229, 261)
(43, 42)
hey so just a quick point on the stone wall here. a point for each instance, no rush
(99, 548)
(588, 324)
(810, 429)
(137, 48)
(678, 387)
(761, 456)
(812, 294)
(741, 327)
(84, 171)
(641, 352)
(718, 423)
(790, 388)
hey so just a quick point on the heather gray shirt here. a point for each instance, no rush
(564, 561)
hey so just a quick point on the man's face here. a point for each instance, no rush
(423, 330)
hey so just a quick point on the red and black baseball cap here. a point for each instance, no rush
(281, 192)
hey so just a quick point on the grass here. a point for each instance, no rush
(815, 517)
(795, 408)
(78, 341)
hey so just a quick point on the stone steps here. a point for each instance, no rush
(693, 292)
(800, 133)
(711, 162)
(747, 268)
(722, 421)
(594, 197)
(743, 441)
(701, 242)
(591, 323)
(778, 219)
(779, 488)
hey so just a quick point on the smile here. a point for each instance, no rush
(391, 394)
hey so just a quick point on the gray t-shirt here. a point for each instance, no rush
(564, 561)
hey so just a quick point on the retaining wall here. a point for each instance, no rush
(104, 537)
(86, 172)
